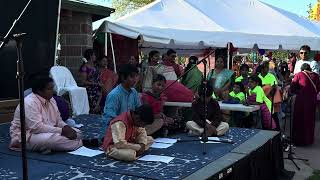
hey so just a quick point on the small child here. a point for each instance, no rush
(238, 92)
(213, 121)
(238, 95)
(258, 97)
(156, 101)
(244, 75)
(126, 137)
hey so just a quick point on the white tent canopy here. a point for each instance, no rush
(196, 24)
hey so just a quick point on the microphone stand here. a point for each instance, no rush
(20, 76)
(204, 137)
(291, 153)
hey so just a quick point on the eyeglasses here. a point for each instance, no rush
(303, 52)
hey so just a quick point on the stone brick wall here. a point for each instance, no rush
(75, 31)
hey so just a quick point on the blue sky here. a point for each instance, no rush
(100, 2)
(299, 7)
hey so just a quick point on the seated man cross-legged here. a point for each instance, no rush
(45, 130)
(126, 137)
(213, 121)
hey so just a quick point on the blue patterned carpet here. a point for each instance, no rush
(188, 158)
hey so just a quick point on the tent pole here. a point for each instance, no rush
(209, 63)
(228, 55)
(114, 59)
(55, 63)
(106, 44)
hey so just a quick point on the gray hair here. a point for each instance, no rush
(306, 66)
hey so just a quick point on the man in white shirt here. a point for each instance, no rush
(304, 58)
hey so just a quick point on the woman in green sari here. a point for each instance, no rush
(193, 78)
(221, 78)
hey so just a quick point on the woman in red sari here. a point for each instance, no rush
(108, 78)
(305, 85)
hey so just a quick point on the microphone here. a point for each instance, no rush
(5, 40)
(204, 61)
(12, 37)
(19, 35)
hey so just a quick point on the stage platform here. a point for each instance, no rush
(256, 154)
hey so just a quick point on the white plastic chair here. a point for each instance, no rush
(64, 82)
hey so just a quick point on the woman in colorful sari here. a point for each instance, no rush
(193, 78)
(305, 85)
(220, 77)
(89, 78)
(257, 97)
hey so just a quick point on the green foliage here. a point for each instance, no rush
(309, 11)
(124, 7)
(280, 55)
(313, 15)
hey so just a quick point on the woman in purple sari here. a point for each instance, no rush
(90, 79)
(305, 85)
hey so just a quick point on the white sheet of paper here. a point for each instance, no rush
(165, 140)
(73, 123)
(156, 158)
(83, 151)
(211, 138)
(160, 145)
(79, 125)
(210, 142)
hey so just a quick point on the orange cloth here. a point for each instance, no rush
(109, 80)
(277, 97)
